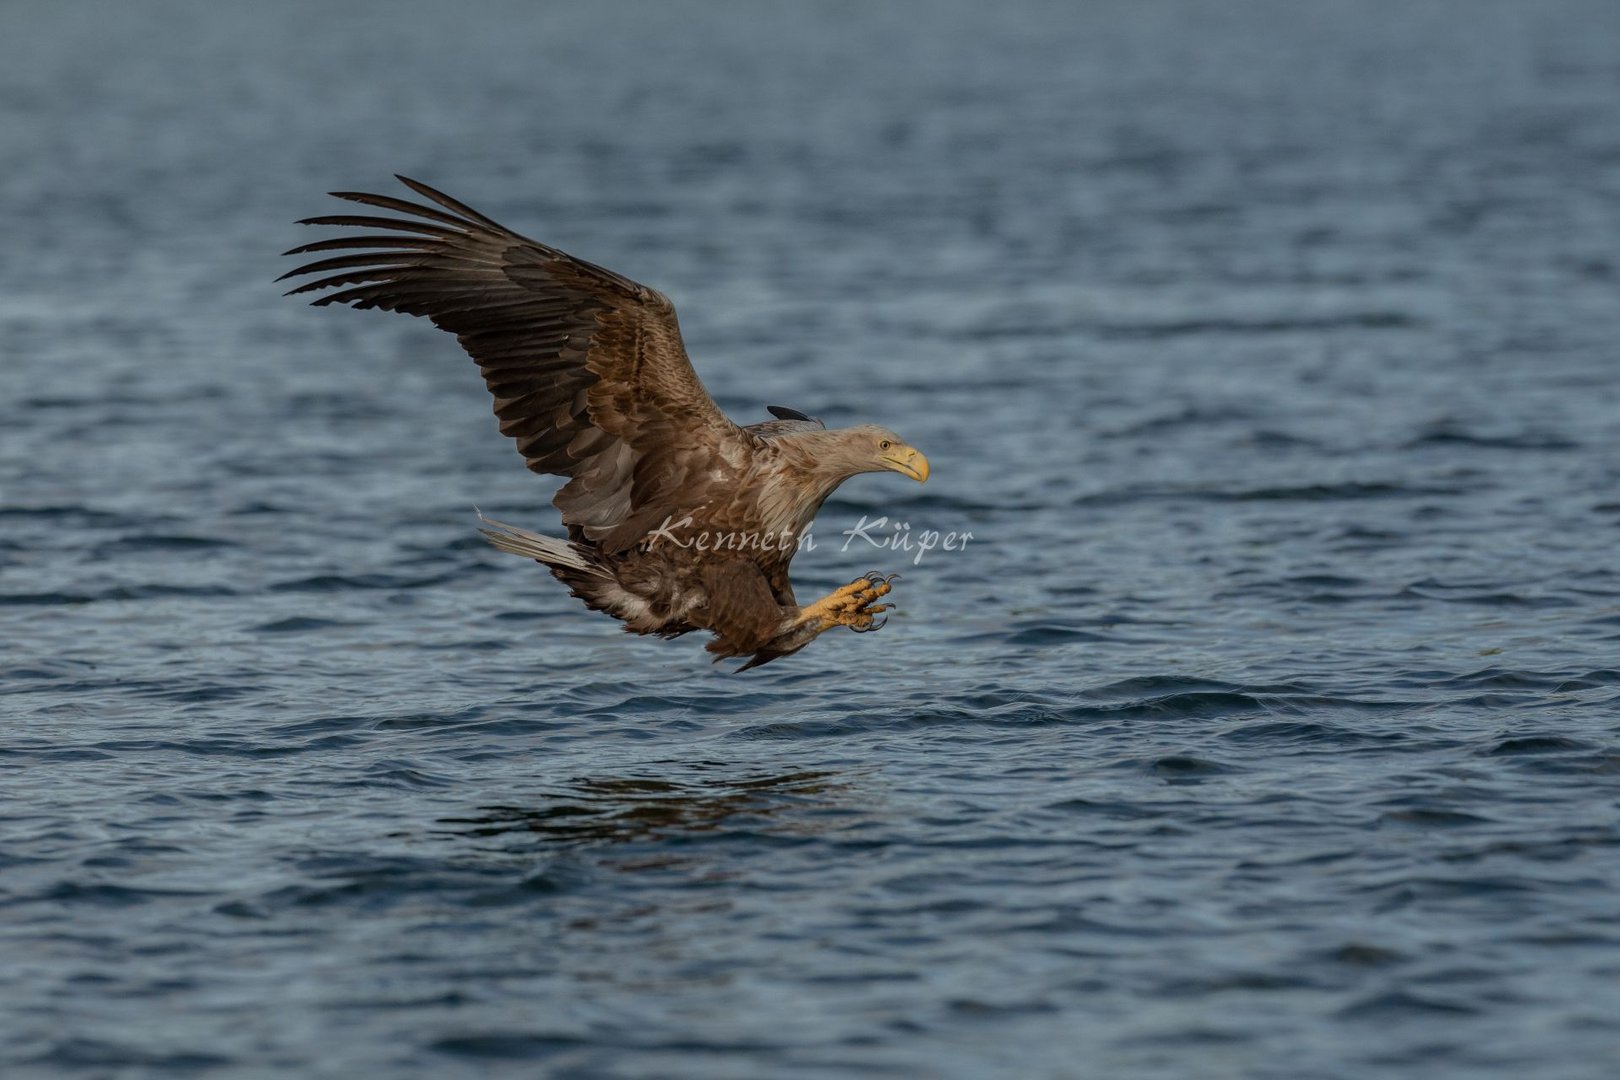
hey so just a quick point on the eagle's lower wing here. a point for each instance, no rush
(587, 368)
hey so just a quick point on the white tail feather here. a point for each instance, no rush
(551, 550)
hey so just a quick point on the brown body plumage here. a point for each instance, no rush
(678, 519)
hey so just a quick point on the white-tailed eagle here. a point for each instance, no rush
(678, 519)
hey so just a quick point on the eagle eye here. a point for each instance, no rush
(884, 445)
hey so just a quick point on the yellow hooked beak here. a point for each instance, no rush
(909, 461)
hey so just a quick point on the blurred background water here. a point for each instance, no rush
(1266, 728)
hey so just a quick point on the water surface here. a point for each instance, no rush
(1266, 727)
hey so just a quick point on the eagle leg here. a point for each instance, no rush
(852, 606)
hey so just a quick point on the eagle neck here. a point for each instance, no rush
(806, 476)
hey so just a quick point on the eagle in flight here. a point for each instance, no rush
(678, 519)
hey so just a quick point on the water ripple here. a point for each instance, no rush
(1265, 728)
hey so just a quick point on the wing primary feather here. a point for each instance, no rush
(339, 262)
(378, 275)
(367, 221)
(452, 204)
(400, 206)
(339, 243)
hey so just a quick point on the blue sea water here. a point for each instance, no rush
(1267, 726)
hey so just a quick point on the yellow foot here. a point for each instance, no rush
(853, 605)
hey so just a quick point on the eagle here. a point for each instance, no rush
(677, 518)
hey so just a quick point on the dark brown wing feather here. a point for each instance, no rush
(743, 614)
(587, 368)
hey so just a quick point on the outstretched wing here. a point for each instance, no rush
(587, 368)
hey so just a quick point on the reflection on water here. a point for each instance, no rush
(619, 810)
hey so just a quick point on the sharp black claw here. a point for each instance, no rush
(891, 577)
